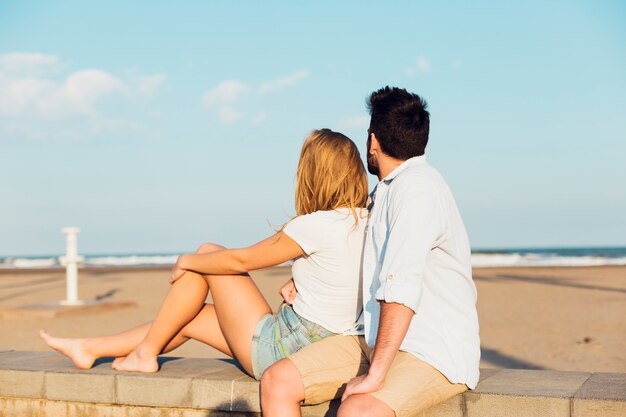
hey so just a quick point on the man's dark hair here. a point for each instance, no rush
(400, 121)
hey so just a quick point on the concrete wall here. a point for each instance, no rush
(46, 384)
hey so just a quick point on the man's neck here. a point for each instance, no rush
(386, 166)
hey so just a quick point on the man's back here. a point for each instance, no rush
(417, 253)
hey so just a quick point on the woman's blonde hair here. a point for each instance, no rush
(330, 174)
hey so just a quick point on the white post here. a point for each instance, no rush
(71, 261)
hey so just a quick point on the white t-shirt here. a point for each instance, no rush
(327, 277)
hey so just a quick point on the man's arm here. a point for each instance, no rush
(393, 325)
(415, 224)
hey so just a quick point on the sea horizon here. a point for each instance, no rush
(481, 257)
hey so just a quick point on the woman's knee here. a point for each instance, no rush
(282, 380)
(209, 247)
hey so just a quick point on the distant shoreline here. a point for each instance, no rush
(161, 268)
(496, 258)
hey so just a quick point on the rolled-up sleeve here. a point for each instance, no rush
(415, 224)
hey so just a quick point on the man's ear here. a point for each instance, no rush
(375, 146)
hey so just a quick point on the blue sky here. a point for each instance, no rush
(156, 126)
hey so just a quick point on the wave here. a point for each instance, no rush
(483, 260)
(92, 261)
(480, 259)
(132, 260)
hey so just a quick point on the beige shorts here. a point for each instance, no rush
(411, 385)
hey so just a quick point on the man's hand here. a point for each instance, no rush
(363, 384)
(288, 291)
(394, 322)
(177, 271)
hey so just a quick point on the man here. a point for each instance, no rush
(420, 344)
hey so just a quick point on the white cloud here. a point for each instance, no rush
(355, 122)
(86, 86)
(99, 125)
(36, 104)
(225, 95)
(226, 92)
(78, 129)
(37, 97)
(421, 66)
(149, 84)
(17, 94)
(284, 82)
(27, 63)
(227, 114)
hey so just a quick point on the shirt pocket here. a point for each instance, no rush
(379, 239)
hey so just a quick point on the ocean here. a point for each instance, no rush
(483, 258)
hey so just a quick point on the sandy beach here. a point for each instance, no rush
(537, 318)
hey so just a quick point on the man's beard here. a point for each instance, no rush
(372, 165)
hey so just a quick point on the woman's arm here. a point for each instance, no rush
(269, 252)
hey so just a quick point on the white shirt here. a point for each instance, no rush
(327, 277)
(417, 254)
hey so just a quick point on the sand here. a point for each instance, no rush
(570, 319)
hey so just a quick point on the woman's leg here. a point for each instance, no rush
(191, 289)
(182, 303)
(84, 351)
(238, 305)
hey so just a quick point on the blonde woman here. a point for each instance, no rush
(325, 239)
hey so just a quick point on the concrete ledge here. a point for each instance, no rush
(47, 384)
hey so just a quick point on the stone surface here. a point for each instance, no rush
(153, 390)
(450, 408)
(90, 388)
(487, 373)
(48, 384)
(13, 407)
(217, 391)
(598, 408)
(194, 367)
(27, 384)
(488, 405)
(7, 358)
(519, 382)
(604, 386)
(171, 386)
(246, 395)
(602, 395)
(20, 407)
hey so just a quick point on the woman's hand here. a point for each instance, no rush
(177, 271)
(288, 291)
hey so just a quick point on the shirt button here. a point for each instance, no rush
(390, 276)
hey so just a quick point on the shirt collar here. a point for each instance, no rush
(416, 160)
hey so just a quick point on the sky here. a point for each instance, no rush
(155, 126)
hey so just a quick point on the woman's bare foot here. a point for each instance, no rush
(116, 361)
(72, 348)
(135, 362)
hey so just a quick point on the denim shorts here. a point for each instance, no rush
(278, 336)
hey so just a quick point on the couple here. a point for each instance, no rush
(381, 306)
